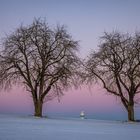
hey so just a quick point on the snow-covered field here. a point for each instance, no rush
(31, 128)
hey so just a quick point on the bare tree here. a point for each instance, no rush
(40, 58)
(116, 64)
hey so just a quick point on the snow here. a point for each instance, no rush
(31, 128)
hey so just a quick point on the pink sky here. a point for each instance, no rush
(86, 22)
(92, 101)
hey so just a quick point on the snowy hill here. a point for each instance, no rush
(31, 128)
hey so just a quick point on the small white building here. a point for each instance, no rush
(82, 115)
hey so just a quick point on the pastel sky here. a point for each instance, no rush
(86, 20)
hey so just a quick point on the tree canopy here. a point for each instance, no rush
(116, 64)
(41, 58)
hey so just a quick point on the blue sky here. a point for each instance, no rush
(86, 20)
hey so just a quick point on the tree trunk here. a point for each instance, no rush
(131, 113)
(38, 108)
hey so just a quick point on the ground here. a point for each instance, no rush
(31, 128)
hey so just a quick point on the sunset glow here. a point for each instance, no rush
(86, 20)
